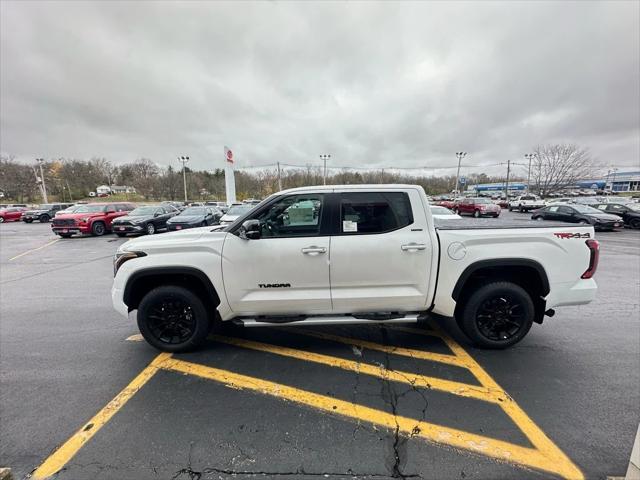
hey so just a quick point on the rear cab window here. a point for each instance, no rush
(374, 212)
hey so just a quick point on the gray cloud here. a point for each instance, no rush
(379, 84)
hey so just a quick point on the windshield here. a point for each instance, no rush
(142, 211)
(91, 209)
(586, 210)
(194, 211)
(239, 209)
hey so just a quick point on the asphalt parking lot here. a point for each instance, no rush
(82, 396)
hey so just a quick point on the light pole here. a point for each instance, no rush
(460, 156)
(529, 156)
(184, 161)
(324, 157)
(44, 185)
(615, 170)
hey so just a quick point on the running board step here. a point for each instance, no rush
(325, 320)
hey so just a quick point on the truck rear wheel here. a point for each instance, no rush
(173, 319)
(497, 315)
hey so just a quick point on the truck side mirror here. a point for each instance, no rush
(250, 230)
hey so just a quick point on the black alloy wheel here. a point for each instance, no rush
(173, 319)
(500, 318)
(496, 315)
(151, 228)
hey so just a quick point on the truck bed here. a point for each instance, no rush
(494, 223)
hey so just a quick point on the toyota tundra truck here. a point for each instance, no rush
(362, 254)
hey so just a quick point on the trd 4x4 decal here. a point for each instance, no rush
(572, 235)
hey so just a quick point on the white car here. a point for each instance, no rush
(442, 213)
(352, 254)
(526, 203)
(234, 212)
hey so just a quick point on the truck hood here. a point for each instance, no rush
(79, 215)
(175, 240)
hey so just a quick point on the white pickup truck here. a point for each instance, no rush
(526, 203)
(356, 254)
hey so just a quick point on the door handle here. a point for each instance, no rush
(313, 250)
(413, 246)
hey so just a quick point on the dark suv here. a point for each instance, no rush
(44, 213)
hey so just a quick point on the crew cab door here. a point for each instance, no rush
(286, 271)
(380, 251)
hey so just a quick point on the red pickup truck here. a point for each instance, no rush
(93, 218)
(478, 207)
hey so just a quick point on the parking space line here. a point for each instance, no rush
(406, 352)
(547, 448)
(456, 388)
(34, 249)
(498, 449)
(58, 459)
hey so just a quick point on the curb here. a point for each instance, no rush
(633, 472)
(5, 474)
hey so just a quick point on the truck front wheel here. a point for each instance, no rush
(173, 319)
(497, 315)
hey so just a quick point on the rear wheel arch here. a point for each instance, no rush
(143, 281)
(528, 274)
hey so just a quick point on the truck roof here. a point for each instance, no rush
(373, 186)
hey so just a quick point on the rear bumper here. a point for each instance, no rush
(578, 293)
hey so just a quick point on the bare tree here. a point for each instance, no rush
(556, 167)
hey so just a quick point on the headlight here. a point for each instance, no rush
(122, 256)
(84, 220)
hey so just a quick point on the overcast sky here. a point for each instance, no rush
(376, 84)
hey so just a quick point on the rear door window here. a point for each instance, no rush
(374, 212)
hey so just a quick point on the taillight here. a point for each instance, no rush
(594, 248)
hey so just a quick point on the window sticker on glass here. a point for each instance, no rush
(349, 226)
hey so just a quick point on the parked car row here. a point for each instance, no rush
(603, 216)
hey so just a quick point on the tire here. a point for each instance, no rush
(486, 332)
(635, 223)
(1, 219)
(538, 218)
(65, 235)
(121, 234)
(29, 220)
(44, 218)
(510, 209)
(150, 229)
(521, 209)
(476, 214)
(98, 229)
(161, 332)
(583, 222)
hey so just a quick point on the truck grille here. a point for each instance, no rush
(63, 222)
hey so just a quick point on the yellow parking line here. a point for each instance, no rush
(547, 448)
(68, 450)
(498, 449)
(417, 380)
(406, 352)
(35, 249)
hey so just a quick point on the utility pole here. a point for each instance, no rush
(506, 187)
(324, 157)
(382, 176)
(460, 156)
(184, 161)
(529, 156)
(615, 171)
(44, 185)
(279, 179)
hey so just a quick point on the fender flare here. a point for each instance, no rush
(501, 262)
(167, 271)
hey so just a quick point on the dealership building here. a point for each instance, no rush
(616, 182)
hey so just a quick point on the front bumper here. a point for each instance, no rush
(172, 227)
(118, 303)
(70, 229)
(127, 228)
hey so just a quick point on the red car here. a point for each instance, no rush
(11, 214)
(478, 207)
(450, 204)
(93, 218)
